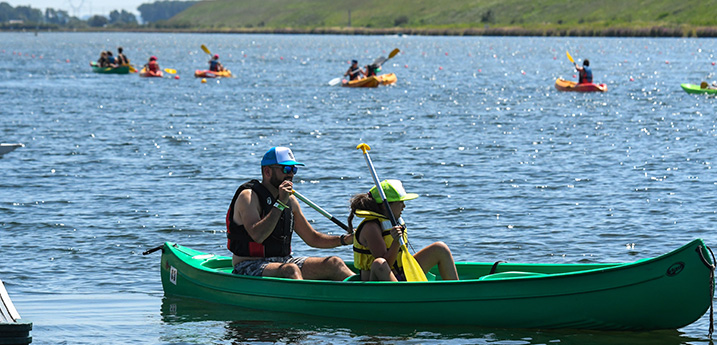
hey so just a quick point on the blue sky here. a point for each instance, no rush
(83, 7)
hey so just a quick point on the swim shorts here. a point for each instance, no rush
(256, 267)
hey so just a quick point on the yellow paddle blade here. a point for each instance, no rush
(363, 147)
(413, 271)
(132, 69)
(393, 53)
(206, 50)
(170, 70)
(569, 57)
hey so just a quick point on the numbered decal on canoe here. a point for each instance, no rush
(675, 269)
(173, 275)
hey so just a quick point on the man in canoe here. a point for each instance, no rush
(262, 218)
(585, 73)
(376, 243)
(215, 65)
(121, 58)
(354, 72)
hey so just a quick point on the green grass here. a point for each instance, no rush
(533, 15)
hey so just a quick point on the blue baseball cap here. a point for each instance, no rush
(279, 155)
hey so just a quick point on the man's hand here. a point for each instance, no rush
(285, 191)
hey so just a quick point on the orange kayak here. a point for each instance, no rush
(567, 85)
(387, 79)
(373, 81)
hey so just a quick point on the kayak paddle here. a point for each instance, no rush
(569, 57)
(411, 268)
(381, 60)
(321, 210)
(206, 50)
(170, 70)
(334, 81)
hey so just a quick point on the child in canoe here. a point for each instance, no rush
(376, 243)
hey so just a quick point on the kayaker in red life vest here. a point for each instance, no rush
(355, 72)
(376, 242)
(215, 65)
(262, 218)
(586, 74)
(152, 65)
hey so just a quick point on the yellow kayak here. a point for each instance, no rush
(212, 74)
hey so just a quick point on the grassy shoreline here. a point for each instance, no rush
(653, 31)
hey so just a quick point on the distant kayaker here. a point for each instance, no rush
(152, 65)
(215, 65)
(373, 70)
(262, 218)
(354, 72)
(586, 74)
(121, 58)
(376, 242)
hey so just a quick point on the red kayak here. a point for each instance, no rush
(145, 73)
(567, 85)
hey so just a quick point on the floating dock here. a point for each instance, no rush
(13, 330)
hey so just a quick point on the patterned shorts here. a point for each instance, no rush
(256, 267)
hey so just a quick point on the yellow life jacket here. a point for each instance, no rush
(362, 254)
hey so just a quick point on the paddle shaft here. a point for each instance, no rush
(321, 210)
(377, 182)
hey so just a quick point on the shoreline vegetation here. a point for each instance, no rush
(556, 18)
(654, 31)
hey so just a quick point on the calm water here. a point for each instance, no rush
(507, 168)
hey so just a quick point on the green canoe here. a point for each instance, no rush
(109, 70)
(666, 292)
(692, 88)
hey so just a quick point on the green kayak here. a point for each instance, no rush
(666, 292)
(692, 88)
(109, 70)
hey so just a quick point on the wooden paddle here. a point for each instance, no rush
(321, 210)
(411, 268)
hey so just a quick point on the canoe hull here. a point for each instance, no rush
(696, 89)
(211, 74)
(666, 292)
(567, 85)
(109, 70)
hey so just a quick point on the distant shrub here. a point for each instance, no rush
(400, 21)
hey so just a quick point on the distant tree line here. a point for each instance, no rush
(26, 17)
